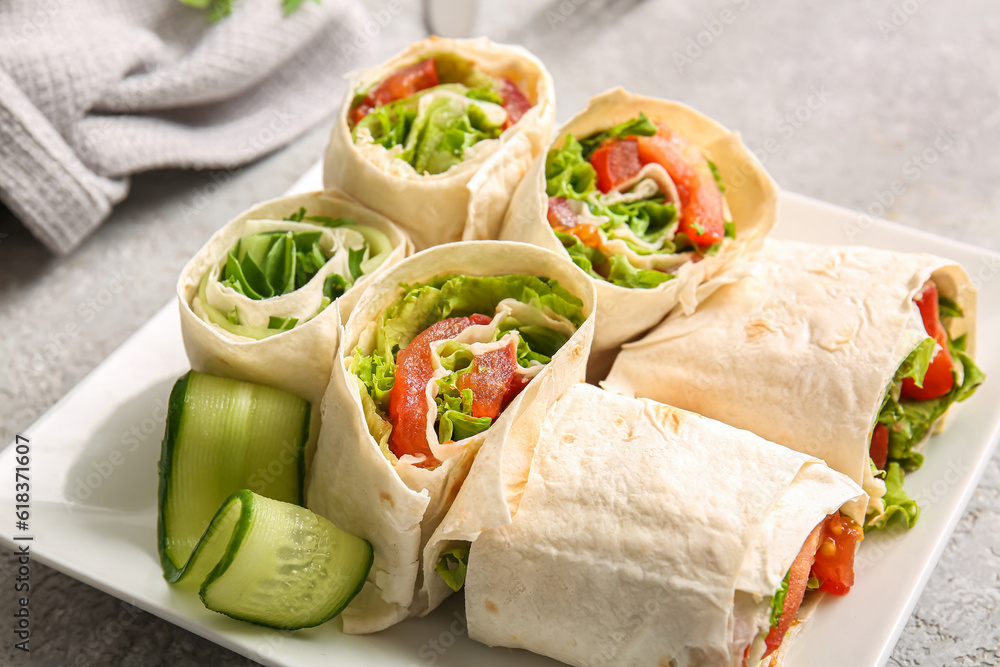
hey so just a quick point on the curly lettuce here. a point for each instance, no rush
(647, 226)
(423, 304)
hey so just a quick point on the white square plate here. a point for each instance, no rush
(94, 481)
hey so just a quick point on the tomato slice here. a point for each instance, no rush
(797, 580)
(702, 218)
(402, 83)
(939, 379)
(492, 376)
(408, 398)
(513, 101)
(834, 563)
(879, 448)
(615, 162)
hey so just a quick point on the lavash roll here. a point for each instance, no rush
(398, 507)
(799, 347)
(298, 360)
(468, 201)
(752, 198)
(647, 535)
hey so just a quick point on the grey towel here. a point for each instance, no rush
(92, 91)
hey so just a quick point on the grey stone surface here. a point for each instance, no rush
(884, 81)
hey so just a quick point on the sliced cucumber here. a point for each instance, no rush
(258, 557)
(222, 436)
(277, 564)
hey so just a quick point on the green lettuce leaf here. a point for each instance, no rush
(440, 135)
(567, 173)
(389, 124)
(910, 420)
(377, 373)
(649, 219)
(716, 176)
(778, 600)
(898, 503)
(423, 304)
(452, 566)
(640, 126)
(949, 308)
(583, 255)
(624, 274)
(270, 264)
(454, 69)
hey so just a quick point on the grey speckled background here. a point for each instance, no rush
(885, 79)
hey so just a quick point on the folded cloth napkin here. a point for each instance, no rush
(92, 91)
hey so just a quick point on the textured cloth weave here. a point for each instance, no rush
(92, 91)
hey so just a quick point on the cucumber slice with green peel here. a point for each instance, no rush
(276, 564)
(224, 435)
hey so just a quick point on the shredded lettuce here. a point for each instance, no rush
(452, 566)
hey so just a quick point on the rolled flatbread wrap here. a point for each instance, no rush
(263, 300)
(453, 355)
(651, 198)
(810, 346)
(649, 535)
(438, 137)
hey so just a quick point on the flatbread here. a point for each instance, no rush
(624, 313)
(799, 347)
(398, 507)
(647, 535)
(468, 201)
(299, 360)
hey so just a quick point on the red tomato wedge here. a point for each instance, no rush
(408, 398)
(834, 563)
(879, 448)
(402, 83)
(513, 100)
(939, 379)
(491, 380)
(702, 216)
(615, 162)
(797, 580)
